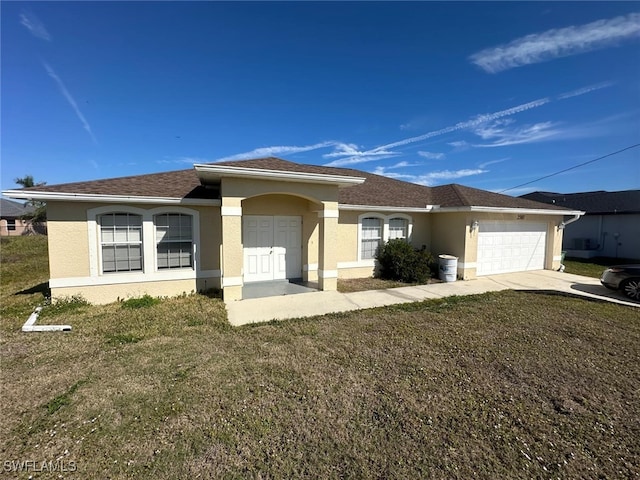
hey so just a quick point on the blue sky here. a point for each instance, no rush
(489, 95)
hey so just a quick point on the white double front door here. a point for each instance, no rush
(272, 247)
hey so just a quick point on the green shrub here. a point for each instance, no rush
(398, 260)
(141, 302)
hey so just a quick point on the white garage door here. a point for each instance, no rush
(272, 247)
(505, 247)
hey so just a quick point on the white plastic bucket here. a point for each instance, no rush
(448, 266)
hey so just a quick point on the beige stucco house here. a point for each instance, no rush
(227, 224)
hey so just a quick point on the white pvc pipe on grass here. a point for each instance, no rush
(30, 326)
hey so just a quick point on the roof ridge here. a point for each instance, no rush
(458, 189)
(311, 165)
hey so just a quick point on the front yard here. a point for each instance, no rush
(501, 385)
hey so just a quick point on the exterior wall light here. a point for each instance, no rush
(474, 225)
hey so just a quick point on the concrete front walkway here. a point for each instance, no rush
(319, 303)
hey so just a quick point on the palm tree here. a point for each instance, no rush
(39, 214)
(28, 181)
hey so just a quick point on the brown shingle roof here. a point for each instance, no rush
(455, 195)
(176, 184)
(593, 203)
(375, 191)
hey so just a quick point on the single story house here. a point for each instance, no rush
(609, 228)
(226, 224)
(12, 222)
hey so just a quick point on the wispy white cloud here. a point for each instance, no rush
(558, 42)
(355, 155)
(352, 150)
(493, 162)
(34, 25)
(351, 155)
(343, 149)
(65, 93)
(342, 162)
(473, 122)
(274, 151)
(489, 126)
(500, 136)
(405, 164)
(459, 143)
(382, 170)
(431, 155)
(434, 177)
(582, 91)
(452, 174)
(431, 177)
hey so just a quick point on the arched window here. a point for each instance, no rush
(376, 228)
(121, 242)
(371, 237)
(398, 228)
(174, 240)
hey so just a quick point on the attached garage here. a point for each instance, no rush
(510, 246)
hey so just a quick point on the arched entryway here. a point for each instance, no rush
(279, 240)
(272, 247)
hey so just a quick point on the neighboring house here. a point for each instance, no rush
(610, 227)
(225, 224)
(11, 218)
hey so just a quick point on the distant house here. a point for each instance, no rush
(610, 227)
(11, 221)
(224, 225)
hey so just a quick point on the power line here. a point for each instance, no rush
(571, 168)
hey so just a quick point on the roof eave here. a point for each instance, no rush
(215, 173)
(94, 197)
(528, 211)
(387, 208)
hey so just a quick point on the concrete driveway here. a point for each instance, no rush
(319, 303)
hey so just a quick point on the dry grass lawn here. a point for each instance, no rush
(371, 283)
(501, 385)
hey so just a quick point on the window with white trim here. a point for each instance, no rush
(121, 242)
(11, 224)
(371, 237)
(174, 240)
(398, 228)
(152, 244)
(376, 228)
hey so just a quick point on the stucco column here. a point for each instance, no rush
(553, 257)
(328, 247)
(310, 227)
(470, 259)
(232, 254)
